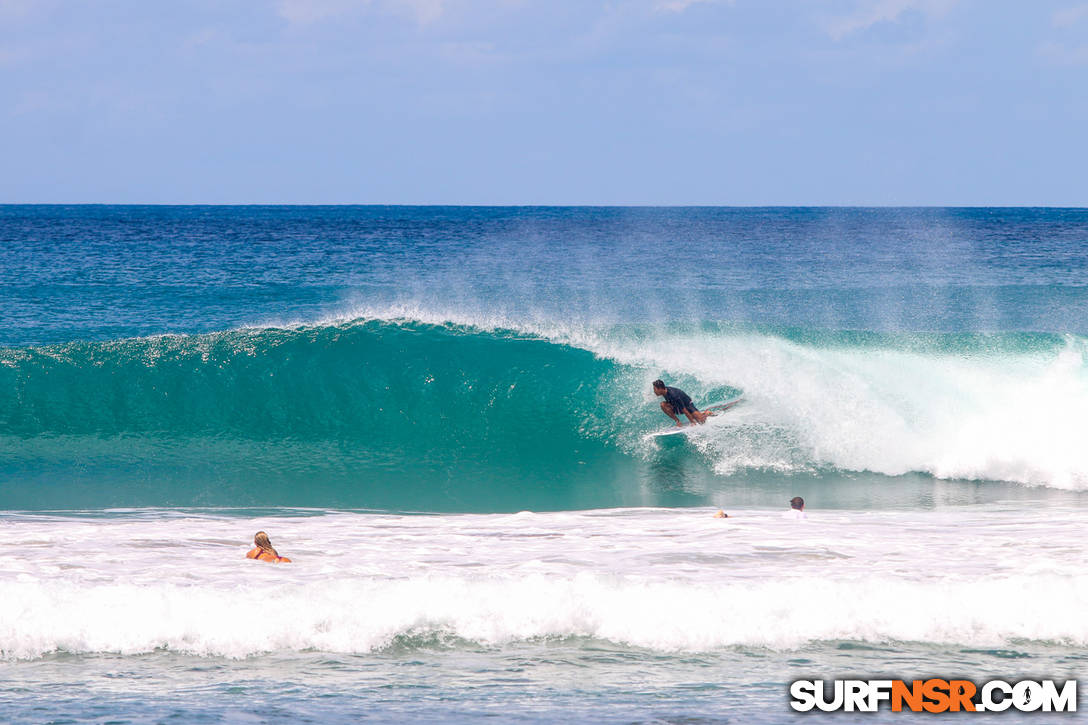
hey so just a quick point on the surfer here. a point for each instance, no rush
(263, 550)
(677, 401)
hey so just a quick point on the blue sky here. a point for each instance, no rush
(885, 102)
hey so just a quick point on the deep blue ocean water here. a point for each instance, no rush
(108, 272)
(240, 363)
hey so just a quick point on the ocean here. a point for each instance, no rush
(442, 416)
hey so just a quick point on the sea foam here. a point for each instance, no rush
(656, 579)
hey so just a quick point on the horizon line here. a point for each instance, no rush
(542, 205)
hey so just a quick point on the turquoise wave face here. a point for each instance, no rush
(392, 385)
(366, 414)
(408, 415)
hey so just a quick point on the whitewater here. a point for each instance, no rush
(693, 612)
(658, 579)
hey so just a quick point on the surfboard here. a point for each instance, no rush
(718, 408)
(724, 405)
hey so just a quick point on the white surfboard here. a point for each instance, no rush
(718, 408)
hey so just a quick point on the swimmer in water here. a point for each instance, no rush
(797, 509)
(263, 550)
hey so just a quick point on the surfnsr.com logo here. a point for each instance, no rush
(933, 695)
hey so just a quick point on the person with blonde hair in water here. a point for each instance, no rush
(263, 550)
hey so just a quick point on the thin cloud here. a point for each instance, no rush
(308, 12)
(1070, 16)
(15, 9)
(679, 6)
(425, 11)
(884, 11)
(1061, 54)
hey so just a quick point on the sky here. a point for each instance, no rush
(659, 102)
